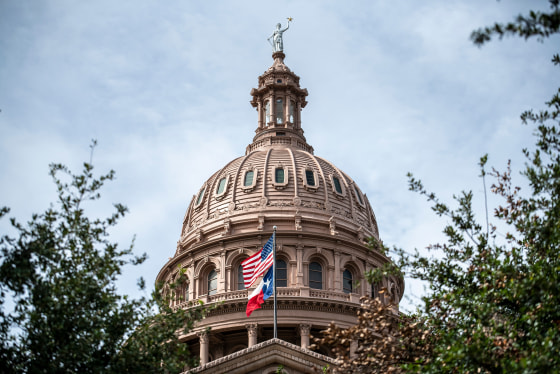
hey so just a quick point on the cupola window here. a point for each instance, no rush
(337, 186)
(267, 111)
(310, 178)
(279, 175)
(292, 110)
(315, 276)
(221, 186)
(347, 281)
(248, 182)
(281, 273)
(212, 282)
(279, 111)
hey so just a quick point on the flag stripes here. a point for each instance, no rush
(257, 264)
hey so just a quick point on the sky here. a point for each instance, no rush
(394, 87)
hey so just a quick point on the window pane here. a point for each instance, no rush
(212, 282)
(281, 273)
(221, 186)
(279, 175)
(267, 111)
(347, 281)
(337, 186)
(200, 195)
(248, 178)
(375, 287)
(310, 177)
(186, 292)
(315, 276)
(240, 280)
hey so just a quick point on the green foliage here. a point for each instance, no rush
(493, 288)
(59, 307)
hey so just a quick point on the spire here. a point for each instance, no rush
(279, 101)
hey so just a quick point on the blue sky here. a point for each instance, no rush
(394, 86)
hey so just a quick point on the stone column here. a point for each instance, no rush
(299, 274)
(204, 339)
(337, 272)
(252, 332)
(262, 116)
(353, 348)
(304, 329)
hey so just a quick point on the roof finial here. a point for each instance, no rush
(277, 43)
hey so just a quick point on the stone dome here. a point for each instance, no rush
(323, 220)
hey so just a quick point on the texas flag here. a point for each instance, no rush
(257, 264)
(263, 291)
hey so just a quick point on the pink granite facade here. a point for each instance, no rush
(323, 220)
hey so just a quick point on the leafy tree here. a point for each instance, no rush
(59, 307)
(493, 300)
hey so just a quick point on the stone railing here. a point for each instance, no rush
(282, 292)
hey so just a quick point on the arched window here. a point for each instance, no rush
(279, 175)
(240, 280)
(347, 281)
(281, 273)
(221, 186)
(375, 288)
(248, 182)
(315, 276)
(212, 282)
(279, 111)
(310, 178)
(186, 292)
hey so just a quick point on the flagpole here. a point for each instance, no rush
(274, 277)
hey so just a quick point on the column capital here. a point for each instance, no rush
(203, 336)
(252, 328)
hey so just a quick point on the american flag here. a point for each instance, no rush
(257, 264)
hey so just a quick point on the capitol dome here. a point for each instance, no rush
(323, 220)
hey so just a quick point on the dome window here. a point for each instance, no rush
(221, 189)
(279, 111)
(315, 276)
(212, 282)
(279, 175)
(200, 197)
(310, 181)
(249, 179)
(281, 273)
(337, 186)
(347, 281)
(248, 182)
(359, 195)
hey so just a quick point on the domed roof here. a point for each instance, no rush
(279, 181)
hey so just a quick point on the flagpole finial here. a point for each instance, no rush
(274, 228)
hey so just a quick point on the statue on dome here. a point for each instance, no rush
(276, 42)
